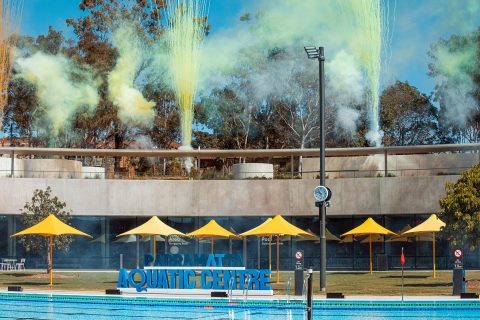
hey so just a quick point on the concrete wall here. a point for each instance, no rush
(361, 196)
(397, 165)
(93, 173)
(252, 170)
(49, 168)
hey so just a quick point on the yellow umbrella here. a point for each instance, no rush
(368, 228)
(328, 235)
(153, 227)
(212, 230)
(49, 227)
(375, 238)
(401, 238)
(277, 226)
(431, 225)
(409, 238)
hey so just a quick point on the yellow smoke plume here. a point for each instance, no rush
(58, 94)
(133, 108)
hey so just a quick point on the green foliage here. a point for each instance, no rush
(42, 204)
(407, 116)
(461, 210)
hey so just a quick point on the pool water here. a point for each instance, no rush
(43, 307)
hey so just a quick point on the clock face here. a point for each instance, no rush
(320, 193)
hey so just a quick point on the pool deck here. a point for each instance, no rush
(274, 297)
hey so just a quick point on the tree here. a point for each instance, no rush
(407, 116)
(461, 210)
(229, 118)
(42, 204)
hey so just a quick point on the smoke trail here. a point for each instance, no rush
(454, 63)
(344, 89)
(356, 28)
(186, 20)
(133, 108)
(370, 21)
(63, 88)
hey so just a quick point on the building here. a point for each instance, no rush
(397, 186)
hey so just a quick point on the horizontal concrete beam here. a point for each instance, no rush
(248, 153)
(360, 196)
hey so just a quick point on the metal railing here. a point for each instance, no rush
(288, 288)
(284, 160)
(231, 284)
(246, 284)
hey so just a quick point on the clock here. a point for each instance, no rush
(321, 193)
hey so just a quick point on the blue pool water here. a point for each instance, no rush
(43, 307)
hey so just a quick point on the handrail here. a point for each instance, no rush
(245, 287)
(248, 153)
(304, 289)
(288, 288)
(231, 283)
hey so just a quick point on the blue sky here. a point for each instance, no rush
(417, 25)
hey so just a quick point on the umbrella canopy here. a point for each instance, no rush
(126, 239)
(432, 225)
(409, 238)
(153, 227)
(401, 238)
(212, 230)
(99, 239)
(277, 226)
(330, 236)
(49, 227)
(368, 228)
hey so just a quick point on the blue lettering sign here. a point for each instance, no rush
(203, 278)
(181, 278)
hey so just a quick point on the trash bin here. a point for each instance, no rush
(382, 262)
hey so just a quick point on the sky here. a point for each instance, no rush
(416, 25)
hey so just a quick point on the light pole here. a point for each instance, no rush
(318, 53)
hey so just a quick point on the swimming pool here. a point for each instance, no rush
(41, 306)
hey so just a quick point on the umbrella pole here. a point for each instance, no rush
(434, 271)
(154, 249)
(212, 245)
(270, 253)
(278, 258)
(51, 260)
(370, 240)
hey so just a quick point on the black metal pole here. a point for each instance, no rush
(309, 294)
(322, 207)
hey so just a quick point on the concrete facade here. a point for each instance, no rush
(48, 168)
(252, 170)
(292, 197)
(397, 165)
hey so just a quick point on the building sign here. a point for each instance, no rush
(458, 260)
(179, 272)
(194, 260)
(299, 260)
